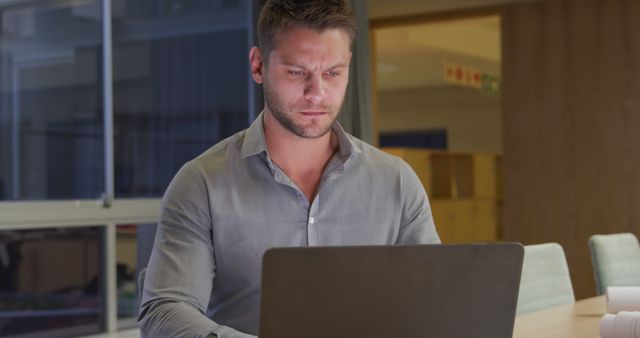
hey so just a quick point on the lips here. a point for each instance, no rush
(313, 113)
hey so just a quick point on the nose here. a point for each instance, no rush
(314, 90)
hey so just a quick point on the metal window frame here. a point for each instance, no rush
(86, 213)
(106, 212)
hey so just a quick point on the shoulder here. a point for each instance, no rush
(196, 175)
(384, 167)
(219, 156)
(376, 158)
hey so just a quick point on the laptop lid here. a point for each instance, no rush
(417, 291)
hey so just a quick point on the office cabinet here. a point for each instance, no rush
(464, 190)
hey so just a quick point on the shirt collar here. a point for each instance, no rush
(346, 147)
(254, 141)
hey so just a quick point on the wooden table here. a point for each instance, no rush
(130, 333)
(578, 320)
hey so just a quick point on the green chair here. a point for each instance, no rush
(545, 280)
(615, 259)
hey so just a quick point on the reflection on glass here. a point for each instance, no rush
(180, 85)
(50, 282)
(51, 134)
(443, 90)
(133, 248)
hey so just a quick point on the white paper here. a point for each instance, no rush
(623, 325)
(623, 298)
(606, 325)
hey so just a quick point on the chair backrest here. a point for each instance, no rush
(615, 259)
(545, 280)
(141, 276)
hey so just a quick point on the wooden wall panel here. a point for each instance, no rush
(571, 117)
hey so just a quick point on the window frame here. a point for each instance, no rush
(108, 211)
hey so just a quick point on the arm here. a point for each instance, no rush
(181, 269)
(416, 226)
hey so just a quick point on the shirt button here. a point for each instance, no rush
(312, 220)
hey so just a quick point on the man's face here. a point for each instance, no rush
(306, 79)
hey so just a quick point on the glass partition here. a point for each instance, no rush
(180, 72)
(51, 282)
(180, 84)
(133, 248)
(51, 138)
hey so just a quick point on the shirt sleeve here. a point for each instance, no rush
(417, 225)
(181, 270)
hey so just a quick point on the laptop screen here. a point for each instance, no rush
(465, 290)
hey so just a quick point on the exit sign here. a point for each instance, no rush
(467, 76)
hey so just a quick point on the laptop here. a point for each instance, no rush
(416, 291)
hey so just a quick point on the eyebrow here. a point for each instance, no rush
(304, 66)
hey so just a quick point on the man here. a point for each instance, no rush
(293, 178)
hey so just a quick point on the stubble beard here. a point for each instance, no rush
(279, 111)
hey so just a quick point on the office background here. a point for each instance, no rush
(91, 132)
(97, 116)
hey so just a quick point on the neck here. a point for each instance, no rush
(303, 160)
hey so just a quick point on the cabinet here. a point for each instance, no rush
(464, 190)
(49, 265)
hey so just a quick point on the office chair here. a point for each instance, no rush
(141, 276)
(615, 259)
(545, 280)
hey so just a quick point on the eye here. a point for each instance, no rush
(333, 73)
(296, 72)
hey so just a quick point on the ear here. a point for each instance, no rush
(255, 58)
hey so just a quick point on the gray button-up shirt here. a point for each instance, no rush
(225, 208)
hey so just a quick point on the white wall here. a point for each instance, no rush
(471, 117)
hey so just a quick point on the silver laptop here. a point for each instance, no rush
(418, 291)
